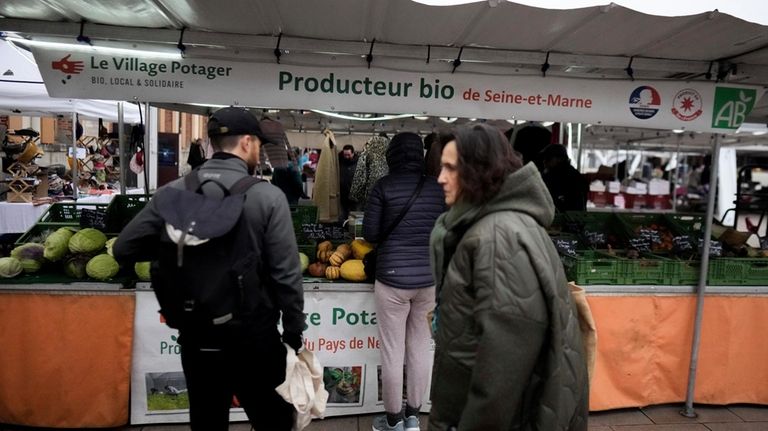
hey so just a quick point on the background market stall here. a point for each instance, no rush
(484, 60)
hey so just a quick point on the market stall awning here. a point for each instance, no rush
(22, 92)
(489, 37)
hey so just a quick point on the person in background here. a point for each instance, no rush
(196, 153)
(404, 287)
(569, 189)
(508, 349)
(347, 167)
(246, 359)
(530, 140)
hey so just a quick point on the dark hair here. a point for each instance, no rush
(485, 160)
(348, 147)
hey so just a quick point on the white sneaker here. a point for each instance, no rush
(412, 423)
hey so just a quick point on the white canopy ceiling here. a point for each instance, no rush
(22, 92)
(499, 37)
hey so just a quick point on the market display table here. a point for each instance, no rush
(644, 345)
(19, 217)
(93, 355)
(65, 355)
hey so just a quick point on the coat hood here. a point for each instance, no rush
(523, 191)
(406, 153)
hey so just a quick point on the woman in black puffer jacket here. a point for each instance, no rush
(404, 287)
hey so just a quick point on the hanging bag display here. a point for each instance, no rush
(369, 260)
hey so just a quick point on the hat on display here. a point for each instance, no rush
(234, 122)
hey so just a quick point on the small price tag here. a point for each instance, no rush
(565, 247)
(595, 239)
(640, 244)
(682, 243)
(96, 219)
(715, 247)
(650, 234)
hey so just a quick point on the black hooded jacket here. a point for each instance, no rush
(403, 259)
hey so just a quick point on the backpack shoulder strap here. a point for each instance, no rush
(243, 184)
(192, 181)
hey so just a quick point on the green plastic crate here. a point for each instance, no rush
(593, 267)
(724, 271)
(66, 213)
(632, 222)
(647, 269)
(123, 209)
(587, 224)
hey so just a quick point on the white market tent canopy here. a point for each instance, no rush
(22, 92)
(498, 38)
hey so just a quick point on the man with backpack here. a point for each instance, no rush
(225, 267)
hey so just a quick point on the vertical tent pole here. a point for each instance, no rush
(121, 145)
(578, 141)
(689, 411)
(674, 175)
(75, 173)
(147, 123)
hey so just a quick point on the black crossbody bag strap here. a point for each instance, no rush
(404, 211)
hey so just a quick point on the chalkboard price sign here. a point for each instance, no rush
(566, 246)
(682, 243)
(651, 235)
(595, 239)
(640, 244)
(715, 247)
(315, 231)
(96, 219)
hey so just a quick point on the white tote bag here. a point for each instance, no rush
(303, 387)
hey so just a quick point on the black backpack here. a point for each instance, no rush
(208, 277)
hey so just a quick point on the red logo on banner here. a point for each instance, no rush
(687, 105)
(68, 67)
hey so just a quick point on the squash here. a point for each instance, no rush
(353, 270)
(342, 253)
(360, 248)
(325, 255)
(332, 273)
(317, 269)
(323, 246)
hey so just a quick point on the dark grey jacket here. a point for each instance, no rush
(267, 210)
(403, 258)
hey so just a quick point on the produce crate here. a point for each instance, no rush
(646, 269)
(66, 213)
(665, 227)
(60, 214)
(303, 215)
(682, 272)
(597, 230)
(692, 224)
(593, 267)
(738, 271)
(123, 209)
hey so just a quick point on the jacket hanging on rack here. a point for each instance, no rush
(371, 166)
(325, 193)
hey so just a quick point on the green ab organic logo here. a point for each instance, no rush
(732, 106)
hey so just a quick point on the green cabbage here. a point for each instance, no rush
(57, 244)
(110, 243)
(304, 259)
(102, 267)
(75, 265)
(10, 267)
(142, 270)
(87, 240)
(30, 255)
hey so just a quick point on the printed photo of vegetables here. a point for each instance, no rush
(344, 384)
(166, 391)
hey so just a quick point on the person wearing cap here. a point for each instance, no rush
(254, 365)
(404, 289)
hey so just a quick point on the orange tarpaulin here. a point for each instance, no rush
(644, 350)
(65, 359)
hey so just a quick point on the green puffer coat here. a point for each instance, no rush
(509, 353)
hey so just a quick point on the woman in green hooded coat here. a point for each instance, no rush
(509, 353)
